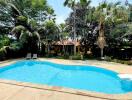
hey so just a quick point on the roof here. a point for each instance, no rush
(66, 42)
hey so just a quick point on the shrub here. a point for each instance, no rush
(128, 62)
(16, 45)
(4, 41)
(107, 58)
(66, 56)
(76, 57)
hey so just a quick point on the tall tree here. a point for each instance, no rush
(110, 14)
(49, 33)
(25, 16)
(32, 9)
(73, 5)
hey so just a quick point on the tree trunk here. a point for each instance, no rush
(63, 49)
(48, 49)
(102, 53)
(74, 10)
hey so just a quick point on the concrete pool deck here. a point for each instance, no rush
(13, 90)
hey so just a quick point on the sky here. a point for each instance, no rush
(63, 12)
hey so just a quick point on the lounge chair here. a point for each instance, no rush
(28, 56)
(35, 56)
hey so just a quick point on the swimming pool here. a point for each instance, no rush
(80, 77)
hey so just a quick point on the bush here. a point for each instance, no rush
(66, 56)
(16, 45)
(12, 51)
(107, 58)
(128, 62)
(76, 57)
(124, 62)
(4, 41)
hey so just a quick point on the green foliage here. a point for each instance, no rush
(26, 16)
(76, 57)
(50, 24)
(63, 32)
(2, 53)
(130, 12)
(4, 41)
(22, 20)
(34, 9)
(50, 10)
(129, 62)
(18, 31)
(33, 24)
(16, 45)
(51, 30)
(66, 56)
(39, 4)
(119, 31)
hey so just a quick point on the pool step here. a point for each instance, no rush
(126, 81)
(125, 76)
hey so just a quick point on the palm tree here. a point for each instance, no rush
(110, 13)
(23, 14)
(63, 35)
(27, 36)
(101, 38)
(15, 7)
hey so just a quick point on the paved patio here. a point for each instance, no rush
(12, 90)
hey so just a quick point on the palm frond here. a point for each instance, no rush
(14, 8)
(117, 3)
(88, 3)
(18, 29)
(66, 2)
(37, 35)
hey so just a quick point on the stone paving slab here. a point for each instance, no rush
(7, 91)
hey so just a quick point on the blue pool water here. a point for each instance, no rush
(77, 77)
